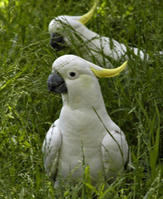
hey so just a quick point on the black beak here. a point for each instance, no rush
(57, 42)
(56, 83)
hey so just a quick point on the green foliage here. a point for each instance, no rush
(134, 99)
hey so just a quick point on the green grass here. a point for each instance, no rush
(27, 109)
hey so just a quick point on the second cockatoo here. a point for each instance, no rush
(84, 134)
(71, 31)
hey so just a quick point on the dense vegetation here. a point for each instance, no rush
(134, 100)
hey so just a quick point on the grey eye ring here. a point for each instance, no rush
(72, 75)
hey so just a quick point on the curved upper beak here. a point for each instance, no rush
(57, 41)
(56, 83)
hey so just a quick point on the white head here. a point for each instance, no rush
(63, 28)
(77, 80)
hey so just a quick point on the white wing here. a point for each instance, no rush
(51, 149)
(114, 153)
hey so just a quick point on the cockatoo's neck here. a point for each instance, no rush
(86, 34)
(87, 101)
(84, 94)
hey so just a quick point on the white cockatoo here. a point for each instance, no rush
(84, 134)
(71, 31)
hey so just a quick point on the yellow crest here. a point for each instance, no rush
(86, 17)
(105, 73)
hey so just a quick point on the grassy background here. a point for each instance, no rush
(27, 109)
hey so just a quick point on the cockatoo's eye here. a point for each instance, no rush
(72, 75)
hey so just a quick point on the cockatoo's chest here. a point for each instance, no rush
(81, 125)
(82, 135)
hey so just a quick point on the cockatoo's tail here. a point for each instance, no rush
(86, 17)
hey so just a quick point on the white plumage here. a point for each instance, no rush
(84, 134)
